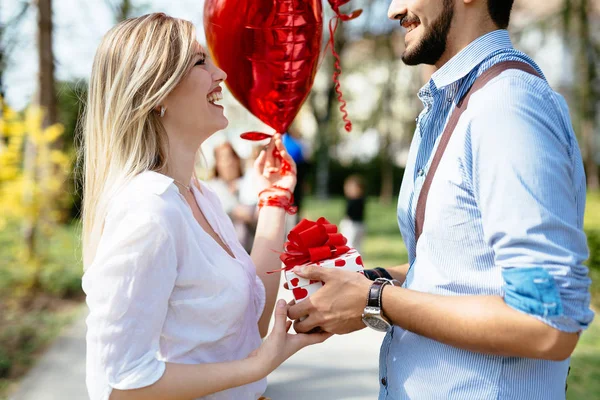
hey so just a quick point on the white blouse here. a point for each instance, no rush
(161, 289)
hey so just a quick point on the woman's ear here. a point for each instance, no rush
(160, 110)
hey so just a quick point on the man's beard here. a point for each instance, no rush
(431, 48)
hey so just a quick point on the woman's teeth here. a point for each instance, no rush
(214, 97)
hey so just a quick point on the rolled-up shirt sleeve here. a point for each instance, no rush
(128, 288)
(524, 162)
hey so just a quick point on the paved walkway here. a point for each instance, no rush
(344, 367)
(60, 373)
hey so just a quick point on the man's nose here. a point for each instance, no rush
(397, 9)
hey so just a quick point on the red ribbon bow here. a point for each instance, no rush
(314, 242)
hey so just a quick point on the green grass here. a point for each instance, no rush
(30, 319)
(584, 378)
(592, 211)
(384, 247)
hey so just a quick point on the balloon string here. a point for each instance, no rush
(337, 70)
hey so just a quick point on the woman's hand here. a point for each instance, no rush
(269, 165)
(281, 345)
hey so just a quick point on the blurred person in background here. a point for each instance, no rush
(177, 307)
(352, 225)
(237, 191)
(298, 149)
(250, 185)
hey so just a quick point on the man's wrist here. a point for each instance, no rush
(373, 315)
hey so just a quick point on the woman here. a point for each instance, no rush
(229, 183)
(177, 307)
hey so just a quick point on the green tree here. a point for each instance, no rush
(9, 38)
(578, 17)
(123, 9)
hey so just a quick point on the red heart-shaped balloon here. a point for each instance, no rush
(269, 50)
(300, 293)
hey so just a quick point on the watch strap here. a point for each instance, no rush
(378, 272)
(374, 299)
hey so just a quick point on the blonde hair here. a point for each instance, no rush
(138, 63)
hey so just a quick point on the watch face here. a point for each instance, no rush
(377, 323)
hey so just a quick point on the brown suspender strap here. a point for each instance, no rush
(462, 105)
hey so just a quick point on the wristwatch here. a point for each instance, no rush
(373, 315)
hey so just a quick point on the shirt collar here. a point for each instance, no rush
(156, 182)
(471, 56)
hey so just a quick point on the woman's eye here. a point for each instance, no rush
(201, 61)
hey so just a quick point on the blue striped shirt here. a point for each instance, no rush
(504, 217)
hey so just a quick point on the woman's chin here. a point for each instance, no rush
(219, 124)
(224, 122)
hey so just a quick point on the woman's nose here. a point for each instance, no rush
(219, 75)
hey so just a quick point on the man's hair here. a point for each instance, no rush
(500, 12)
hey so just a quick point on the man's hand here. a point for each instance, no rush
(337, 307)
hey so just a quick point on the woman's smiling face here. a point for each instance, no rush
(192, 104)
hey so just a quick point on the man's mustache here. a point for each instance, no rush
(408, 19)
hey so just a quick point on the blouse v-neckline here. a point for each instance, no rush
(212, 222)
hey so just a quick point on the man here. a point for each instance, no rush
(496, 295)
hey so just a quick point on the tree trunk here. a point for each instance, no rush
(2, 92)
(46, 99)
(587, 93)
(324, 133)
(326, 126)
(29, 227)
(587, 134)
(386, 192)
(2, 65)
(46, 85)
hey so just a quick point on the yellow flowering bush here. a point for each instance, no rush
(33, 175)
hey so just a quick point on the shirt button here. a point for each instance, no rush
(421, 172)
(384, 381)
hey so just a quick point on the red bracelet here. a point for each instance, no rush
(271, 200)
(278, 201)
(276, 188)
